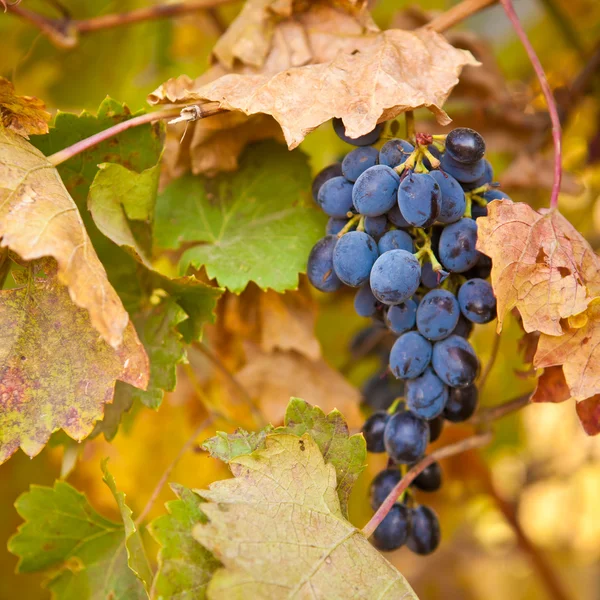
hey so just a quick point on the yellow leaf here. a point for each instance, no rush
(541, 265)
(22, 114)
(38, 218)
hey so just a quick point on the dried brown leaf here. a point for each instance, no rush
(38, 218)
(22, 114)
(588, 412)
(541, 265)
(551, 386)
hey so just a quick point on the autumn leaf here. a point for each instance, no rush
(541, 265)
(387, 74)
(282, 502)
(551, 386)
(22, 114)
(227, 446)
(588, 411)
(55, 370)
(256, 225)
(39, 218)
(184, 566)
(83, 553)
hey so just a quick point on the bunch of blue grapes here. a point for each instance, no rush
(402, 230)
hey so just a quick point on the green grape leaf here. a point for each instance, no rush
(283, 503)
(252, 225)
(55, 371)
(227, 446)
(184, 566)
(86, 555)
(348, 454)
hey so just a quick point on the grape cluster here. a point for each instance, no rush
(402, 230)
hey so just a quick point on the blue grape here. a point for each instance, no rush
(457, 250)
(429, 479)
(477, 301)
(320, 265)
(478, 210)
(392, 532)
(481, 270)
(463, 327)
(381, 486)
(495, 194)
(365, 304)
(373, 431)
(453, 202)
(395, 218)
(334, 226)
(437, 314)
(376, 226)
(419, 199)
(405, 437)
(396, 239)
(335, 197)
(455, 362)
(395, 152)
(461, 404)
(401, 318)
(395, 276)
(333, 170)
(426, 395)
(424, 536)
(375, 191)
(464, 173)
(486, 178)
(364, 140)
(465, 145)
(353, 257)
(355, 163)
(430, 278)
(410, 355)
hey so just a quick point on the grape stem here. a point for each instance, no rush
(355, 220)
(457, 14)
(552, 109)
(476, 441)
(494, 413)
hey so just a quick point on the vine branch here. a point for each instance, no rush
(459, 12)
(494, 413)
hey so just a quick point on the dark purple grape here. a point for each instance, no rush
(426, 395)
(335, 197)
(453, 201)
(430, 278)
(463, 327)
(353, 257)
(365, 304)
(424, 536)
(373, 431)
(455, 361)
(419, 199)
(401, 318)
(376, 226)
(320, 265)
(396, 239)
(410, 355)
(395, 152)
(384, 482)
(380, 391)
(486, 178)
(364, 140)
(375, 191)
(429, 479)
(465, 145)
(435, 427)
(393, 531)
(395, 276)
(457, 249)
(437, 314)
(334, 170)
(481, 270)
(406, 437)
(355, 163)
(461, 404)
(477, 301)
(395, 218)
(463, 173)
(334, 226)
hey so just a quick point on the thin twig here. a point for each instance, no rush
(469, 443)
(163, 480)
(552, 109)
(494, 413)
(216, 361)
(490, 363)
(458, 13)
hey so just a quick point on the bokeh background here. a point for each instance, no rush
(521, 518)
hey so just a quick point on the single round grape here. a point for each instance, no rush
(477, 301)
(333, 170)
(426, 395)
(363, 140)
(395, 218)
(395, 152)
(396, 239)
(463, 327)
(457, 250)
(430, 278)
(406, 437)
(320, 265)
(419, 199)
(429, 479)
(437, 314)
(486, 178)
(385, 481)
(455, 362)
(463, 173)
(395, 276)
(461, 404)
(353, 257)
(401, 318)
(373, 431)
(481, 270)
(465, 145)
(410, 355)
(355, 163)
(380, 391)
(478, 210)
(335, 197)
(375, 191)
(495, 194)
(392, 532)
(334, 226)
(435, 426)
(453, 202)
(376, 226)
(365, 304)
(424, 536)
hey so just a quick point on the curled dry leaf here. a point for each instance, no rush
(541, 265)
(385, 75)
(39, 218)
(588, 412)
(22, 114)
(551, 386)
